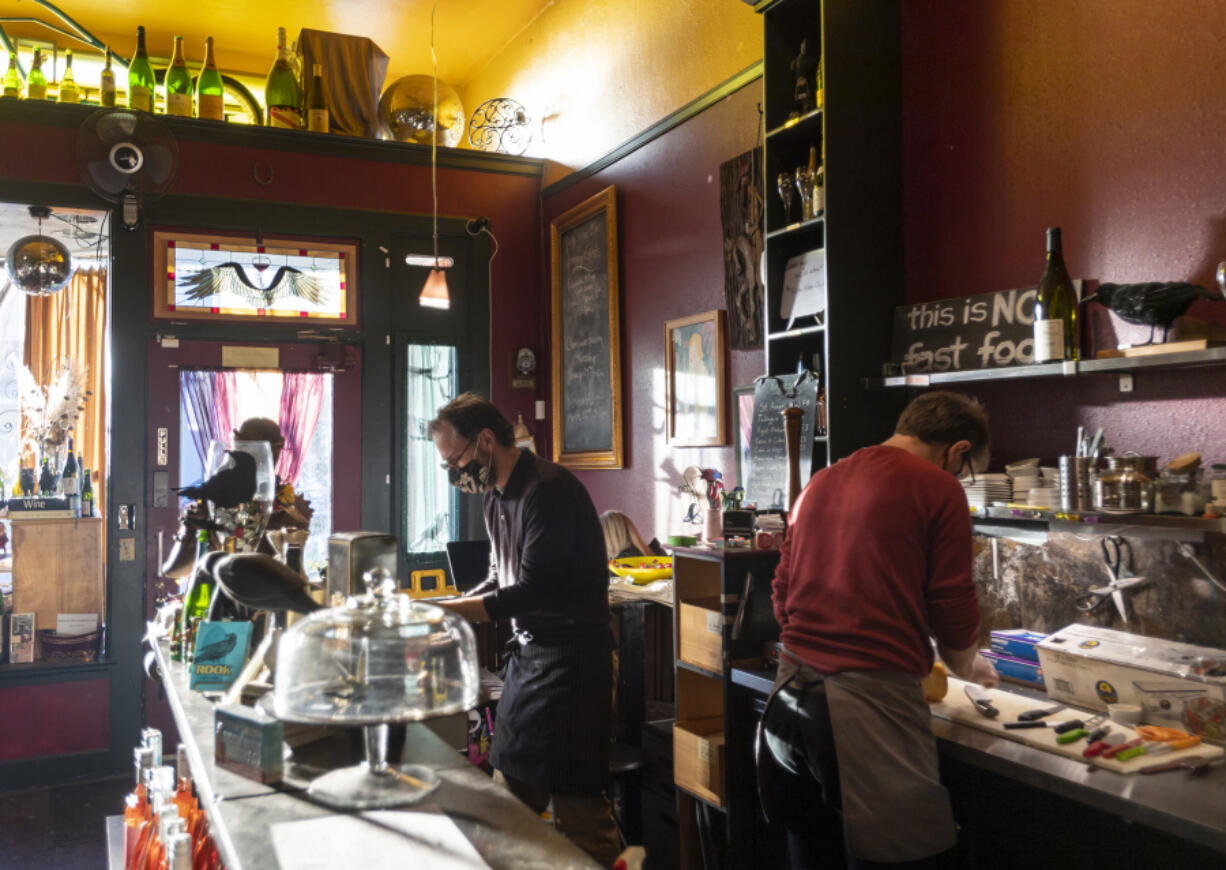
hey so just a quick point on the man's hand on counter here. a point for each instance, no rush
(968, 664)
(471, 608)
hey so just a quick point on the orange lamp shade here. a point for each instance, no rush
(434, 294)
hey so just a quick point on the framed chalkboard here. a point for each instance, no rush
(768, 458)
(586, 353)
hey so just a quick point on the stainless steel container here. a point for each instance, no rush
(1126, 487)
(1076, 490)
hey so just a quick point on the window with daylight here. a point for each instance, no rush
(233, 278)
(431, 513)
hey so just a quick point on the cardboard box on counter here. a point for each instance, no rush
(1016, 642)
(1175, 684)
(1013, 668)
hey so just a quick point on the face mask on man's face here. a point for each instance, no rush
(473, 477)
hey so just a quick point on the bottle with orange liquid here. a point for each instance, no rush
(136, 805)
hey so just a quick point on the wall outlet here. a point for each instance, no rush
(1126, 383)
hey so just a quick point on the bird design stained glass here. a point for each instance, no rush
(227, 277)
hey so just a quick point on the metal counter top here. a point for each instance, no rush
(242, 812)
(1192, 808)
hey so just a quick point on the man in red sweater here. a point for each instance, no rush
(877, 560)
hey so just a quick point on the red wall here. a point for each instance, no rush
(1103, 117)
(56, 719)
(671, 247)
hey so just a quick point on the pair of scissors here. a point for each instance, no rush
(1114, 549)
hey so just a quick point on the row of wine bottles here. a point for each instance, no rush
(183, 95)
(165, 828)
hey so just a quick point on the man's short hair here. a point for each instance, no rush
(942, 417)
(468, 414)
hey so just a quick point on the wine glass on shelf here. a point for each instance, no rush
(804, 187)
(784, 183)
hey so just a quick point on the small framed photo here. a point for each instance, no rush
(21, 637)
(695, 365)
(742, 422)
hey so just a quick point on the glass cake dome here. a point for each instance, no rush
(380, 658)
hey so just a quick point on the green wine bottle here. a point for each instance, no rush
(317, 105)
(106, 86)
(178, 84)
(210, 92)
(69, 92)
(1055, 307)
(12, 78)
(140, 77)
(36, 85)
(282, 93)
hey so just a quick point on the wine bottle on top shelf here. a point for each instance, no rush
(36, 85)
(282, 93)
(12, 78)
(1055, 307)
(141, 81)
(69, 92)
(317, 107)
(106, 86)
(87, 494)
(178, 84)
(68, 480)
(210, 92)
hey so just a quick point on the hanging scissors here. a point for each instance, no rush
(1117, 553)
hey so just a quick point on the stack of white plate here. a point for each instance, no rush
(1025, 476)
(1044, 497)
(986, 489)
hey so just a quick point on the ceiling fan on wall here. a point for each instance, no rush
(127, 158)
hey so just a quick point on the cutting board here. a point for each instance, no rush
(957, 707)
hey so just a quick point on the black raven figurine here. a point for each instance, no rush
(1152, 304)
(261, 582)
(229, 487)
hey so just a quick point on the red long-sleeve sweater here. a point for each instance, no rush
(877, 557)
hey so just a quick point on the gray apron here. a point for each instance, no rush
(894, 806)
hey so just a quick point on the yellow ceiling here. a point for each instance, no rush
(468, 32)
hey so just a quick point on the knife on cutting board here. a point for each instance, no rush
(981, 700)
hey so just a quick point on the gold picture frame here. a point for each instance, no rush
(223, 277)
(585, 352)
(695, 380)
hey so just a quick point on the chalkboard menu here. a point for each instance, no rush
(768, 458)
(586, 352)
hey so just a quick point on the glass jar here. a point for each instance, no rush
(1217, 483)
(1180, 494)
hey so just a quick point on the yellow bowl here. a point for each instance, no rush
(643, 569)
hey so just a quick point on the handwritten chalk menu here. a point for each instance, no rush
(587, 390)
(804, 286)
(768, 457)
(993, 330)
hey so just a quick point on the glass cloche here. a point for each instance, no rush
(380, 658)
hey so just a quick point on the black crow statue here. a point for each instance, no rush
(229, 487)
(259, 581)
(1152, 304)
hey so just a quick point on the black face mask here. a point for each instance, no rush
(473, 477)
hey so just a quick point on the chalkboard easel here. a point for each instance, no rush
(768, 462)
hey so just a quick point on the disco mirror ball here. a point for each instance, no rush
(39, 265)
(406, 111)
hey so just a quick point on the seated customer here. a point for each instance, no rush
(622, 540)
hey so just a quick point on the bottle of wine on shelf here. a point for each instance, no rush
(46, 479)
(106, 87)
(210, 92)
(12, 78)
(36, 85)
(282, 93)
(141, 81)
(69, 482)
(1055, 307)
(178, 84)
(317, 107)
(69, 92)
(87, 494)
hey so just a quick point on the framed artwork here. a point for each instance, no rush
(238, 279)
(695, 366)
(742, 422)
(586, 346)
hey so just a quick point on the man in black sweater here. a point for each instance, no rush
(549, 576)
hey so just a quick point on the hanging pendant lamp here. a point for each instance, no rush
(434, 294)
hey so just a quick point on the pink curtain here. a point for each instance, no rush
(301, 399)
(209, 404)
